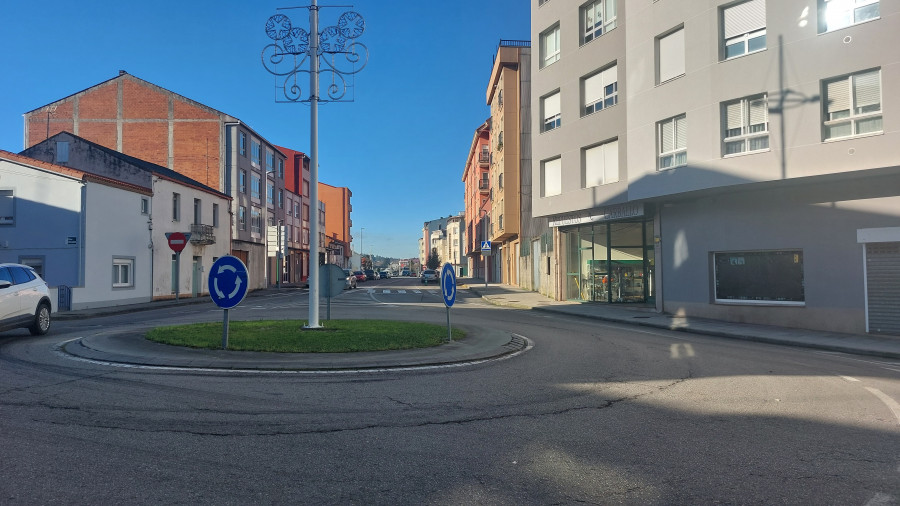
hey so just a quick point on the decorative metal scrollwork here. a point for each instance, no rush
(340, 55)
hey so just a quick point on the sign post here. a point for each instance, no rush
(177, 241)
(485, 252)
(332, 280)
(228, 284)
(448, 292)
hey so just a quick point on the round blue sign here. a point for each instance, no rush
(448, 284)
(228, 281)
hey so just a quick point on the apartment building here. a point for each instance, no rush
(296, 184)
(729, 160)
(477, 183)
(337, 223)
(151, 123)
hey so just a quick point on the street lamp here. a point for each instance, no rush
(361, 248)
(293, 46)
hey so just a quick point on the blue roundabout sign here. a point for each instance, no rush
(448, 284)
(228, 282)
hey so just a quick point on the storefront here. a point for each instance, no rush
(609, 257)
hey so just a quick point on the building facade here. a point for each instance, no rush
(150, 123)
(734, 162)
(477, 182)
(297, 218)
(337, 223)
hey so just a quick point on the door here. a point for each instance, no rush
(10, 307)
(883, 287)
(536, 265)
(197, 277)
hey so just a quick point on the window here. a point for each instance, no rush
(306, 188)
(551, 113)
(242, 218)
(759, 277)
(176, 207)
(123, 270)
(837, 14)
(216, 215)
(7, 207)
(672, 140)
(197, 207)
(255, 220)
(62, 152)
(270, 161)
(744, 28)
(255, 186)
(853, 105)
(601, 164)
(551, 177)
(145, 205)
(600, 90)
(306, 212)
(550, 46)
(242, 181)
(270, 194)
(36, 263)
(280, 168)
(670, 55)
(746, 125)
(281, 199)
(597, 18)
(255, 153)
(243, 143)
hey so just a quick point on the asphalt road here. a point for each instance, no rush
(594, 413)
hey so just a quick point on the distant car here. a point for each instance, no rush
(404, 272)
(24, 300)
(383, 275)
(388, 274)
(351, 280)
(370, 274)
(429, 275)
(360, 275)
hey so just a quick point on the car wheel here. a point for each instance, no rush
(41, 320)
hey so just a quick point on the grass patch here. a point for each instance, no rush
(288, 336)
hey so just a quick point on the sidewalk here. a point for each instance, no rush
(861, 344)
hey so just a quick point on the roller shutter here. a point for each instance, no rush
(883, 287)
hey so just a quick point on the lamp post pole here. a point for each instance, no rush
(293, 46)
(484, 226)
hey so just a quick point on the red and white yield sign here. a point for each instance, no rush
(177, 241)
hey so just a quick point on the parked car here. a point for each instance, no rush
(389, 274)
(404, 272)
(351, 280)
(383, 275)
(370, 274)
(24, 300)
(429, 275)
(360, 275)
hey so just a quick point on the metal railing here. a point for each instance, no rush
(202, 234)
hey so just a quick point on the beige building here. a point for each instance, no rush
(729, 160)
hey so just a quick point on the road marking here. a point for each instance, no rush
(848, 378)
(891, 369)
(688, 350)
(387, 291)
(401, 291)
(880, 499)
(887, 400)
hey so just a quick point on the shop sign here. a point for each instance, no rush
(612, 213)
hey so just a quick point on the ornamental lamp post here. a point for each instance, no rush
(332, 51)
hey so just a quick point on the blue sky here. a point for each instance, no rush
(400, 147)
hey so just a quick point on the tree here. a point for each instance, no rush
(434, 261)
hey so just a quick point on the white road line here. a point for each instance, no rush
(401, 291)
(842, 355)
(887, 400)
(891, 369)
(848, 378)
(387, 291)
(880, 499)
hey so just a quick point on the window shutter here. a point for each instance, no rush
(759, 111)
(593, 166)
(733, 116)
(867, 89)
(681, 132)
(838, 96)
(611, 162)
(551, 106)
(744, 18)
(553, 177)
(671, 55)
(610, 76)
(593, 88)
(667, 135)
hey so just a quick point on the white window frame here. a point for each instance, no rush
(743, 25)
(609, 94)
(255, 186)
(591, 28)
(145, 205)
(255, 152)
(678, 153)
(255, 220)
(242, 218)
(176, 207)
(605, 167)
(669, 53)
(551, 121)
(122, 272)
(855, 114)
(551, 177)
(843, 13)
(550, 56)
(748, 135)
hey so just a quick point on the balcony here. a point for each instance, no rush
(484, 186)
(202, 234)
(484, 159)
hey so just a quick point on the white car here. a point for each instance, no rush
(24, 299)
(429, 275)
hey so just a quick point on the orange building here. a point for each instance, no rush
(337, 223)
(476, 178)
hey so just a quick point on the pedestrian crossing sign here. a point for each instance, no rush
(485, 246)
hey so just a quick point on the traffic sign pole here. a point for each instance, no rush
(225, 330)
(228, 285)
(448, 292)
